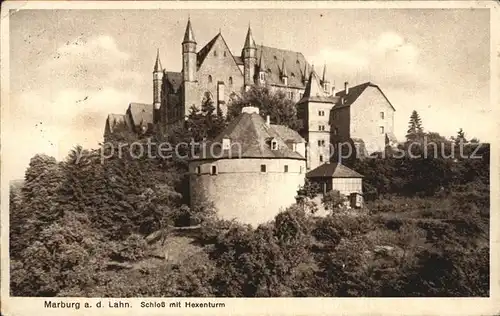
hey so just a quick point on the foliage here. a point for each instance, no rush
(415, 129)
(333, 199)
(281, 109)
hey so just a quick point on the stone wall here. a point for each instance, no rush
(240, 190)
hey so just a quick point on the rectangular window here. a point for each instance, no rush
(213, 170)
(321, 127)
(263, 168)
(336, 131)
(382, 115)
(286, 168)
(198, 170)
(320, 158)
(381, 129)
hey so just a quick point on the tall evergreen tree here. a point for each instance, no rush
(415, 129)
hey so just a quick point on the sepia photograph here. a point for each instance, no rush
(253, 150)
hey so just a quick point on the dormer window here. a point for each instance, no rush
(274, 144)
(226, 143)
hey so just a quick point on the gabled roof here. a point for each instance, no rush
(333, 170)
(174, 78)
(314, 91)
(140, 113)
(250, 135)
(273, 59)
(189, 35)
(203, 53)
(355, 92)
(115, 119)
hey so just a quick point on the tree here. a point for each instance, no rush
(415, 130)
(206, 122)
(460, 139)
(281, 109)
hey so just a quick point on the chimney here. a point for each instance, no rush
(268, 120)
(346, 87)
(250, 109)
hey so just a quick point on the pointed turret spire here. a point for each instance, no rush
(325, 80)
(189, 35)
(249, 42)
(283, 69)
(158, 67)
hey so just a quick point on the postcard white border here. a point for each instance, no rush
(267, 306)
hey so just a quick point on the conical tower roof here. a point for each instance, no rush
(189, 35)
(262, 64)
(283, 69)
(158, 67)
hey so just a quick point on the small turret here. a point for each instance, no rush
(249, 58)
(284, 74)
(157, 82)
(189, 54)
(325, 83)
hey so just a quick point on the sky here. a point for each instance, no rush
(70, 68)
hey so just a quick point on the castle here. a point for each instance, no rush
(361, 116)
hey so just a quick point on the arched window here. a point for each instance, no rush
(209, 78)
(215, 53)
(230, 80)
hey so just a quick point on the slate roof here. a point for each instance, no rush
(253, 136)
(287, 134)
(333, 170)
(355, 92)
(140, 113)
(174, 78)
(189, 35)
(294, 62)
(314, 91)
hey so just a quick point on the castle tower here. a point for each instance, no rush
(189, 54)
(284, 74)
(325, 83)
(316, 104)
(249, 58)
(262, 69)
(157, 82)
